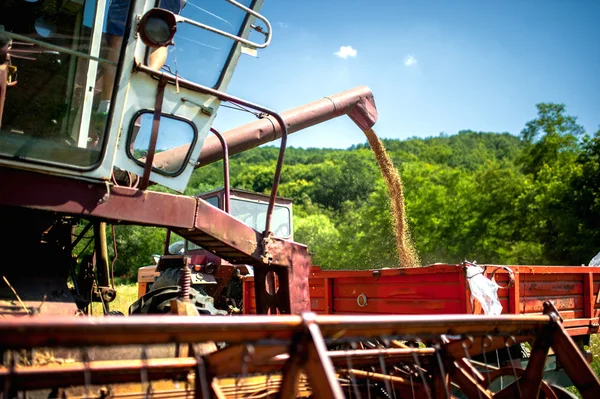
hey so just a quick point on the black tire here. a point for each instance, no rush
(115, 313)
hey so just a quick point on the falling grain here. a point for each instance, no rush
(406, 250)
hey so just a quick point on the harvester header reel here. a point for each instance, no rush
(296, 356)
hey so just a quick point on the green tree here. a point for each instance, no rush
(549, 137)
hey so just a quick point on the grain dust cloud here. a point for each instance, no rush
(406, 250)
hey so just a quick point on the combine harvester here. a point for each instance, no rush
(90, 118)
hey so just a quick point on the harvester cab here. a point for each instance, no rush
(91, 87)
(211, 276)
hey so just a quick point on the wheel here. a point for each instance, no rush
(115, 313)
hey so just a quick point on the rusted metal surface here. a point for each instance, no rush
(292, 287)
(288, 355)
(114, 204)
(192, 218)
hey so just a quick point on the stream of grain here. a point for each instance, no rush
(406, 251)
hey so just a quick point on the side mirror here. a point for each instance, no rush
(157, 28)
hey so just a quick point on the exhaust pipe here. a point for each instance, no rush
(358, 103)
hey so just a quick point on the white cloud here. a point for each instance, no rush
(283, 25)
(345, 52)
(410, 60)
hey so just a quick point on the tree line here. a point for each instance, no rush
(532, 198)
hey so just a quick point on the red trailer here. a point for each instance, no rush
(444, 289)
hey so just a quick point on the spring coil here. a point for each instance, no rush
(185, 282)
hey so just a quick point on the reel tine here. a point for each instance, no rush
(351, 372)
(438, 355)
(501, 377)
(246, 357)
(87, 375)
(421, 374)
(507, 345)
(384, 371)
(484, 347)
(466, 344)
(7, 388)
(387, 344)
(144, 373)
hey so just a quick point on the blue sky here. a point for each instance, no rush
(434, 66)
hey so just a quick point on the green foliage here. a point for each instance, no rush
(490, 197)
(549, 138)
(135, 247)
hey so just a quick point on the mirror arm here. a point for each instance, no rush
(162, 83)
(246, 42)
(235, 100)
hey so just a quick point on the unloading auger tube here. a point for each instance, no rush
(294, 356)
(358, 103)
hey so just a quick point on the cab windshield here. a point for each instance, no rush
(199, 55)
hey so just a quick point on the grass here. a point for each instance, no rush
(595, 349)
(126, 295)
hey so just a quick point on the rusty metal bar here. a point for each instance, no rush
(468, 385)
(68, 331)
(101, 255)
(319, 368)
(119, 204)
(226, 188)
(381, 377)
(59, 331)
(162, 83)
(100, 372)
(530, 383)
(572, 360)
(424, 326)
